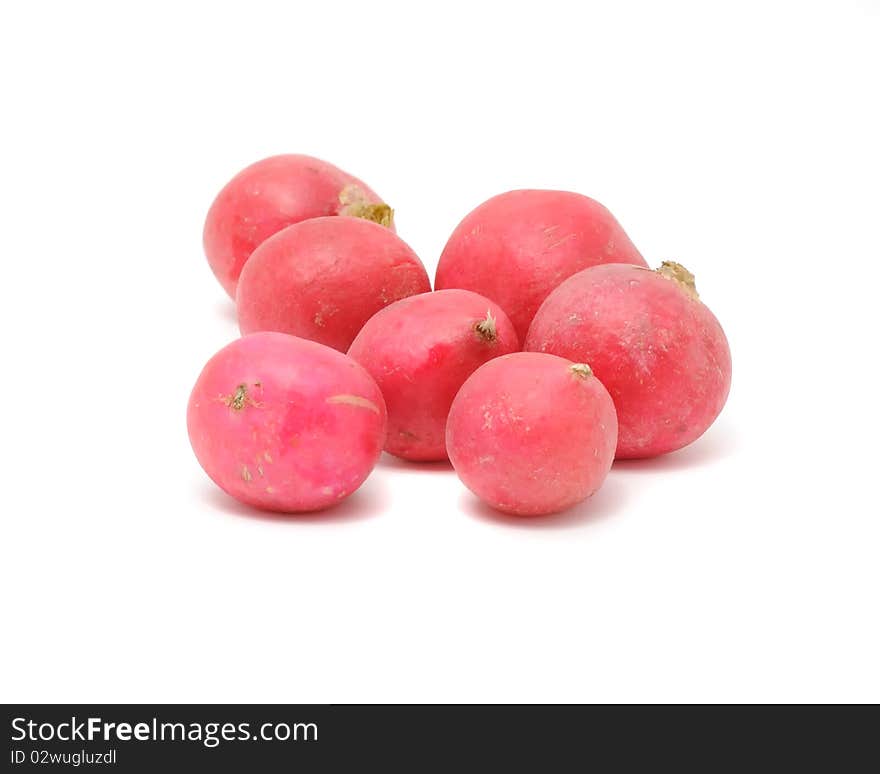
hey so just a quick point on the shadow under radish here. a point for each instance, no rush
(608, 501)
(712, 447)
(372, 499)
(390, 462)
(225, 311)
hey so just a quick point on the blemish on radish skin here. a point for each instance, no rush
(561, 241)
(246, 474)
(236, 401)
(354, 400)
(324, 313)
(268, 457)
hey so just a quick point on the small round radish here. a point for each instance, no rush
(516, 247)
(285, 424)
(274, 193)
(532, 434)
(322, 279)
(420, 351)
(657, 348)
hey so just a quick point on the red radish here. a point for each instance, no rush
(532, 434)
(516, 247)
(276, 192)
(322, 279)
(285, 424)
(657, 348)
(420, 351)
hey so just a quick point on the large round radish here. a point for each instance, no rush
(518, 246)
(657, 348)
(322, 279)
(532, 434)
(276, 192)
(420, 351)
(285, 424)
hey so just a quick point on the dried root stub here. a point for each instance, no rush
(238, 399)
(678, 273)
(355, 204)
(486, 328)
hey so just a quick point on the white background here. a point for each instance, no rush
(739, 139)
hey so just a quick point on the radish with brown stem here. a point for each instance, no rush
(285, 424)
(272, 194)
(658, 349)
(532, 434)
(420, 351)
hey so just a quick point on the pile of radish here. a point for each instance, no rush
(547, 349)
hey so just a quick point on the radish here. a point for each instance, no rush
(322, 279)
(285, 424)
(420, 351)
(532, 434)
(657, 348)
(272, 194)
(518, 246)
